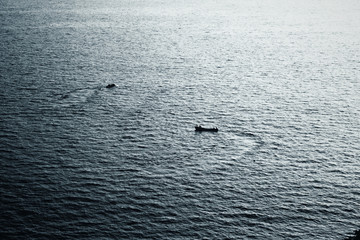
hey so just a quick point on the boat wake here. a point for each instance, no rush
(77, 96)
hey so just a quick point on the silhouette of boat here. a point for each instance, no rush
(111, 85)
(202, 129)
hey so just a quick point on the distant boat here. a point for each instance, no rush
(110, 85)
(202, 129)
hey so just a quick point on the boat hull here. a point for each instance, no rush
(202, 129)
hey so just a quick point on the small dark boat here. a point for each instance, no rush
(202, 129)
(110, 85)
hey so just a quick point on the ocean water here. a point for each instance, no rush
(280, 79)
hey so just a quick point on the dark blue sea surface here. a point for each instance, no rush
(280, 79)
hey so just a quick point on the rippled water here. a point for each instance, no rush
(280, 79)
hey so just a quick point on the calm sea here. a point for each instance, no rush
(279, 78)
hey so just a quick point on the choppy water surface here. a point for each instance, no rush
(280, 79)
